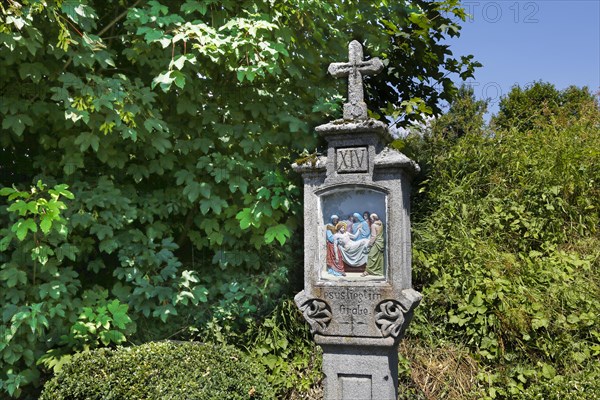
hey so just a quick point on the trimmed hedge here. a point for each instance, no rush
(162, 370)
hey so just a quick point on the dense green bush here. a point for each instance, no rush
(162, 370)
(283, 343)
(507, 246)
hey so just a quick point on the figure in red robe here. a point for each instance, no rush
(335, 263)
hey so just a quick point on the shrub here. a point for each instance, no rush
(161, 370)
(282, 342)
(506, 249)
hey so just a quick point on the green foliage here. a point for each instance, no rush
(534, 106)
(464, 116)
(41, 306)
(33, 210)
(418, 59)
(236, 303)
(174, 126)
(283, 343)
(580, 386)
(506, 250)
(159, 371)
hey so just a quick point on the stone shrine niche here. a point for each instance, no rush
(352, 234)
(358, 297)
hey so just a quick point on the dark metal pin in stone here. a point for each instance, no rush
(354, 69)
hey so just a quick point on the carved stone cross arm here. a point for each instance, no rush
(354, 69)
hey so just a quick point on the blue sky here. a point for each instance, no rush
(518, 42)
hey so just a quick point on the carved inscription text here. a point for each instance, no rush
(351, 301)
(353, 159)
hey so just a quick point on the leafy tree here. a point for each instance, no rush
(173, 127)
(531, 107)
(464, 116)
(432, 139)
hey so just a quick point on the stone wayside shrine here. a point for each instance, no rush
(358, 296)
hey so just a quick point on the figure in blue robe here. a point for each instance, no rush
(360, 228)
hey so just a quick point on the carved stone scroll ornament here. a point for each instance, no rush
(392, 317)
(389, 317)
(317, 313)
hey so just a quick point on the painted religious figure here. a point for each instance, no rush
(367, 217)
(376, 248)
(360, 228)
(354, 245)
(335, 265)
(360, 251)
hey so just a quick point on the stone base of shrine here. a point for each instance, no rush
(359, 371)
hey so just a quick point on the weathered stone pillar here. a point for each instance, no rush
(358, 296)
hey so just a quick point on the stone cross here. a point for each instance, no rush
(354, 69)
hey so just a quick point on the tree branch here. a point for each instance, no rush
(117, 19)
(106, 28)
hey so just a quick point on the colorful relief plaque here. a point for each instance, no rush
(353, 243)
